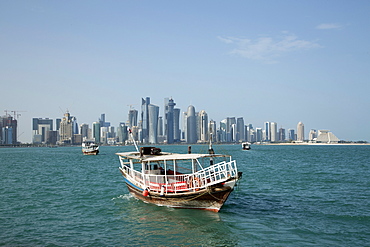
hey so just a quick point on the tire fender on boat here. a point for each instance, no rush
(145, 192)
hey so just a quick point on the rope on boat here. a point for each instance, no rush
(193, 198)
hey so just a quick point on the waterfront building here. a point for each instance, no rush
(300, 132)
(176, 125)
(102, 121)
(273, 132)
(8, 129)
(84, 131)
(281, 134)
(57, 122)
(212, 130)
(312, 135)
(191, 125)
(223, 129)
(145, 119)
(74, 125)
(7, 135)
(233, 133)
(103, 135)
(96, 132)
(258, 135)
(160, 127)
(184, 125)
(267, 131)
(229, 134)
(325, 136)
(203, 126)
(248, 131)
(40, 129)
(132, 118)
(291, 135)
(153, 113)
(169, 120)
(66, 129)
(122, 133)
(240, 129)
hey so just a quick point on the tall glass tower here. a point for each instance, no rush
(96, 131)
(240, 129)
(191, 125)
(300, 132)
(169, 120)
(145, 119)
(203, 125)
(153, 113)
(132, 118)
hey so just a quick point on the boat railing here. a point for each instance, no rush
(175, 183)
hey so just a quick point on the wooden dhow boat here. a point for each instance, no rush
(191, 180)
(90, 148)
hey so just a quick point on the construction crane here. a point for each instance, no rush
(131, 106)
(16, 114)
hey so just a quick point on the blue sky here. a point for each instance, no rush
(278, 61)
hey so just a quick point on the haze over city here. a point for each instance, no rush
(280, 61)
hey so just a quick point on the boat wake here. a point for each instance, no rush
(123, 197)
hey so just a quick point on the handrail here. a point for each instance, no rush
(186, 182)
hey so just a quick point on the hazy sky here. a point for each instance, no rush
(279, 61)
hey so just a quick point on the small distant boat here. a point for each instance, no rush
(190, 180)
(90, 148)
(246, 146)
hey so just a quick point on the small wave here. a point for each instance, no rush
(123, 197)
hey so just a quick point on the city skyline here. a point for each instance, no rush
(271, 131)
(283, 61)
(196, 127)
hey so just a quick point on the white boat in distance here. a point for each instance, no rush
(246, 146)
(90, 148)
(194, 181)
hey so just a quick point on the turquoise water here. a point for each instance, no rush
(289, 196)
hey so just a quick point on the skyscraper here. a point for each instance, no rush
(212, 130)
(223, 130)
(300, 132)
(132, 118)
(66, 129)
(160, 126)
(191, 125)
(169, 120)
(96, 131)
(122, 133)
(258, 135)
(8, 130)
(291, 135)
(203, 126)
(267, 131)
(240, 129)
(312, 135)
(145, 119)
(153, 112)
(273, 132)
(281, 134)
(176, 125)
(40, 129)
(84, 131)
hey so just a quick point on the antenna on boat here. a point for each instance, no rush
(210, 149)
(133, 139)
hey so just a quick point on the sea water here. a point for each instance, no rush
(288, 196)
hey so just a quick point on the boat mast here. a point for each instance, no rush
(210, 149)
(133, 139)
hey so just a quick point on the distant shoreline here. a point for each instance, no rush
(314, 144)
(28, 145)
